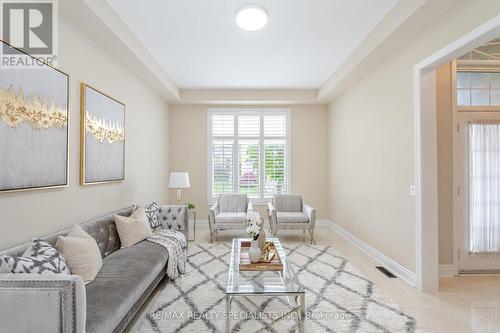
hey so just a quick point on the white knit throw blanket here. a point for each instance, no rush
(176, 245)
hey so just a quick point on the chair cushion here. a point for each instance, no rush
(287, 203)
(291, 217)
(124, 277)
(231, 217)
(233, 203)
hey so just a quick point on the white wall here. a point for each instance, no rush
(371, 146)
(188, 152)
(36, 213)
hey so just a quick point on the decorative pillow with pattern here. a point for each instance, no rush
(153, 214)
(44, 259)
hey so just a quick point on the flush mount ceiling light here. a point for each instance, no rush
(251, 18)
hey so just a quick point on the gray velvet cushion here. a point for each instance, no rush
(229, 203)
(103, 230)
(291, 217)
(124, 277)
(230, 217)
(287, 202)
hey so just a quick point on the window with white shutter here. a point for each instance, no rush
(248, 152)
(249, 168)
(275, 167)
(222, 166)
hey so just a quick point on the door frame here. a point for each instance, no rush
(426, 206)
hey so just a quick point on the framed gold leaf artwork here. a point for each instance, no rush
(102, 137)
(33, 125)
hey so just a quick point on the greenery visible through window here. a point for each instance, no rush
(248, 152)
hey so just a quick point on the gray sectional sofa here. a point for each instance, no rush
(62, 303)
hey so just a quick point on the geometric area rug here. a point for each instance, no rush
(338, 297)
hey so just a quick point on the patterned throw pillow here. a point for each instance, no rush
(153, 214)
(44, 259)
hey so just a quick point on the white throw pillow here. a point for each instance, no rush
(81, 253)
(134, 228)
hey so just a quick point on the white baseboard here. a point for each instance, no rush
(201, 223)
(448, 270)
(394, 267)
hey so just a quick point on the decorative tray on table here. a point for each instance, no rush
(269, 260)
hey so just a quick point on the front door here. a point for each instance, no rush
(479, 192)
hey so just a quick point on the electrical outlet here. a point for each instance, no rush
(413, 190)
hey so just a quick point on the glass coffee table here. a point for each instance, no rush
(264, 283)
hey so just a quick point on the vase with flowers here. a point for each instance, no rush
(253, 229)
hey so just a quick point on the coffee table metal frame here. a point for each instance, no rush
(264, 283)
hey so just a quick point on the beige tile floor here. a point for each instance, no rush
(463, 304)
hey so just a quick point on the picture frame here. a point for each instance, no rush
(102, 137)
(34, 126)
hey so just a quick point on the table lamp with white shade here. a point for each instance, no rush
(179, 180)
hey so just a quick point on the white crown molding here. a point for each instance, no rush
(249, 96)
(393, 266)
(97, 20)
(404, 23)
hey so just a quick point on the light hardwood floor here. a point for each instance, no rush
(463, 304)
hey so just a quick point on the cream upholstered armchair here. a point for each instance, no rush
(287, 212)
(229, 212)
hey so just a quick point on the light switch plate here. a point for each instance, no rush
(413, 190)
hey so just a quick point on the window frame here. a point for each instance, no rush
(474, 66)
(261, 138)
